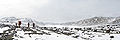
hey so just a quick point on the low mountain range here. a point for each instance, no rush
(84, 22)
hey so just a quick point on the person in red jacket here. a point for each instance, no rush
(19, 23)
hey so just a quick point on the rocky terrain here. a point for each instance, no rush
(101, 28)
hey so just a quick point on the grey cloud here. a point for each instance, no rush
(62, 10)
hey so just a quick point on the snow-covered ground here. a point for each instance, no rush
(81, 34)
(41, 31)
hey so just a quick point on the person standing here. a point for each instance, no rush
(19, 23)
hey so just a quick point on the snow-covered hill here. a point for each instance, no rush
(60, 31)
(13, 20)
(95, 21)
(84, 22)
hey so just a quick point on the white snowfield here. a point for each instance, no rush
(41, 31)
(82, 35)
(53, 36)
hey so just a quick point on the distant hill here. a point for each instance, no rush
(95, 21)
(84, 22)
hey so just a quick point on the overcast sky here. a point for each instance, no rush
(59, 10)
